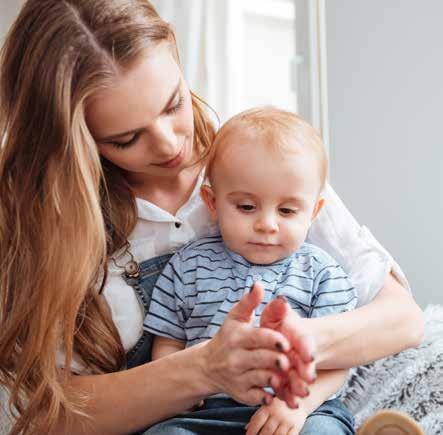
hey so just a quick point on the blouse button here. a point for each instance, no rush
(178, 225)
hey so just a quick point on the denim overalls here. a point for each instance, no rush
(221, 416)
(143, 286)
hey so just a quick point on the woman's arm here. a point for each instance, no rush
(239, 361)
(388, 320)
(390, 323)
(127, 401)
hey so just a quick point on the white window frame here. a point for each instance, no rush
(309, 68)
(280, 10)
(235, 11)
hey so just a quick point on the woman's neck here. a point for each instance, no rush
(168, 193)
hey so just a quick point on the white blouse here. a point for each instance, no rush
(158, 232)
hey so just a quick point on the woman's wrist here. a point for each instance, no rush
(200, 364)
(323, 337)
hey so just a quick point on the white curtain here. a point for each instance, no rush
(203, 29)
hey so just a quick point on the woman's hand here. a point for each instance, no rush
(241, 359)
(278, 316)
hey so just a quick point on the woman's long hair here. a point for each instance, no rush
(62, 209)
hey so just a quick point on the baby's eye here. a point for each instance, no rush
(246, 207)
(287, 211)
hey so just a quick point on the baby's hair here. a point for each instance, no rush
(277, 128)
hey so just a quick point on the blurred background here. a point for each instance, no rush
(367, 74)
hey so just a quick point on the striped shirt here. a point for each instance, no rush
(203, 280)
(158, 232)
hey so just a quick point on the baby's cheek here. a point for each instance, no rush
(296, 235)
(231, 228)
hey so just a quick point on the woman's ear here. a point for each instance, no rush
(208, 197)
(318, 206)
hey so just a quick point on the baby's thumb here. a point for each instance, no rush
(274, 313)
(244, 308)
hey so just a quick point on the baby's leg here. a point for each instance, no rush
(331, 418)
(217, 416)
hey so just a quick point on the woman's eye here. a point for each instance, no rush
(127, 143)
(176, 108)
(246, 207)
(287, 211)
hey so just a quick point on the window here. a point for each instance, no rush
(242, 53)
(268, 36)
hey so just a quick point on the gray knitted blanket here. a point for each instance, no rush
(411, 381)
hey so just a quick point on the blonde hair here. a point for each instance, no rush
(63, 209)
(276, 128)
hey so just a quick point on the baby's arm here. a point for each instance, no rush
(278, 417)
(168, 311)
(164, 346)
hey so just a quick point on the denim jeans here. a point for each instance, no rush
(219, 415)
(227, 417)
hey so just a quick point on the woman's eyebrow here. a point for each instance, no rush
(172, 97)
(141, 129)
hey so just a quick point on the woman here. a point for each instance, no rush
(102, 142)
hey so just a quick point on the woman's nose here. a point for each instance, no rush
(163, 140)
(266, 223)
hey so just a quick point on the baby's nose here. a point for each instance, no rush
(266, 223)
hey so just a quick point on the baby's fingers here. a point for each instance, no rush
(306, 371)
(270, 426)
(301, 342)
(298, 387)
(290, 400)
(257, 421)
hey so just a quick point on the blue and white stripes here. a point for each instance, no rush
(204, 280)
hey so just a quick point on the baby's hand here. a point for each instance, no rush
(276, 418)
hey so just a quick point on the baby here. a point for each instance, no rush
(265, 176)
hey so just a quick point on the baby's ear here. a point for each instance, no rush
(318, 206)
(208, 197)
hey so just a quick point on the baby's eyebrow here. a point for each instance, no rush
(294, 199)
(240, 193)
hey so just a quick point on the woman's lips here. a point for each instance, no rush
(174, 162)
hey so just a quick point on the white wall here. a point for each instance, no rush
(8, 11)
(385, 65)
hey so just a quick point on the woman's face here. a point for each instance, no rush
(144, 123)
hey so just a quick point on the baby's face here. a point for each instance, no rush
(264, 200)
